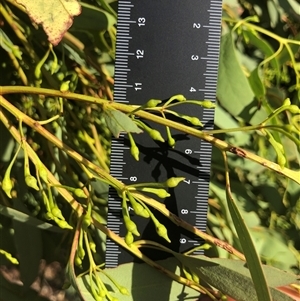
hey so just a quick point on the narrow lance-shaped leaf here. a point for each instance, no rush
(253, 261)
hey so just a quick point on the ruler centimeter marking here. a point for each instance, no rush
(165, 48)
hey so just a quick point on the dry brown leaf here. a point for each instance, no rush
(56, 16)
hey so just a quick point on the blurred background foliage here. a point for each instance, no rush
(247, 92)
(269, 203)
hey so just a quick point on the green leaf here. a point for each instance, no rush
(233, 90)
(266, 48)
(29, 220)
(71, 276)
(27, 238)
(143, 283)
(273, 248)
(224, 274)
(232, 83)
(29, 254)
(232, 277)
(253, 261)
(93, 18)
(119, 122)
(273, 13)
(275, 96)
(257, 85)
(224, 120)
(255, 80)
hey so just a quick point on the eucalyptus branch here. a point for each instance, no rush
(135, 251)
(58, 143)
(181, 223)
(72, 131)
(266, 32)
(119, 185)
(282, 42)
(79, 210)
(222, 145)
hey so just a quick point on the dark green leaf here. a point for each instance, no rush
(257, 84)
(119, 122)
(143, 282)
(29, 220)
(70, 274)
(93, 18)
(276, 96)
(29, 254)
(233, 278)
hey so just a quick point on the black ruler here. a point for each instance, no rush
(163, 48)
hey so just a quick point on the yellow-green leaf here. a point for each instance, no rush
(56, 16)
